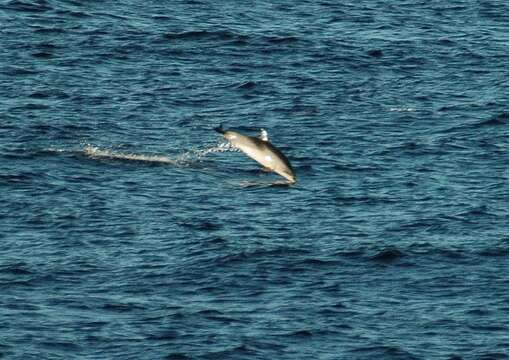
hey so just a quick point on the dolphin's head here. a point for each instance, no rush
(287, 174)
(291, 177)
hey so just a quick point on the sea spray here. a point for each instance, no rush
(187, 157)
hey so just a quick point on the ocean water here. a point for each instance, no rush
(130, 230)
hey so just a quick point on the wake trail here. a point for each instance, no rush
(186, 158)
(97, 153)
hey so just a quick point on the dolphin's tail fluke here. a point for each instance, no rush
(220, 129)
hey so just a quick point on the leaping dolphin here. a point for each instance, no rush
(262, 151)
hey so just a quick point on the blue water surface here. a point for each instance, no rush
(130, 231)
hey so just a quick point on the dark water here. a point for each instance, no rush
(127, 232)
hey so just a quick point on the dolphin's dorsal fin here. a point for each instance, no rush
(264, 136)
(220, 129)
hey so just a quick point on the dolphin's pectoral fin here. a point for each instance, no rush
(266, 169)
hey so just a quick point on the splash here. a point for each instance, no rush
(187, 157)
(97, 153)
(221, 147)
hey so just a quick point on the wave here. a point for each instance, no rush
(233, 37)
(388, 255)
(177, 356)
(247, 85)
(262, 183)
(281, 39)
(383, 352)
(497, 120)
(202, 35)
(29, 7)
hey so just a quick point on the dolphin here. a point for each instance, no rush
(262, 151)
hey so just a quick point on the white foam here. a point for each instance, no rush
(221, 147)
(402, 109)
(95, 152)
(187, 157)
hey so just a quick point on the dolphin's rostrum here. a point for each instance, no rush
(261, 150)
